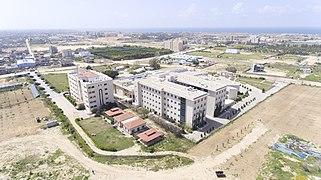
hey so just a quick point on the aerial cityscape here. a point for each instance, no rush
(160, 90)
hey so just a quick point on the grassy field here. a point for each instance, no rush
(107, 138)
(291, 70)
(313, 77)
(171, 143)
(243, 56)
(259, 83)
(280, 165)
(128, 52)
(291, 58)
(58, 81)
(149, 163)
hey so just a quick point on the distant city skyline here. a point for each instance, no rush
(99, 14)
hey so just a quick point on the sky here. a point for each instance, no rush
(111, 14)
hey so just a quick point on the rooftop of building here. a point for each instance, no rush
(89, 75)
(149, 135)
(114, 112)
(173, 88)
(127, 84)
(203, 82)
(124, 116)
(134, 123)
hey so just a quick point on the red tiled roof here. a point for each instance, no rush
(89, 74)
(149, 135)
(134, 123)
(114, 112)
(124, 116)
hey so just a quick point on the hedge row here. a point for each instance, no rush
(166, 125)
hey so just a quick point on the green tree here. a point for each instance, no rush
(111, 73)
(231, 69)
(154, 63)
(89, 68)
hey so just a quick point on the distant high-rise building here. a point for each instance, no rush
(66, 53)
(254, 40)
(175, 45)
(53, 49)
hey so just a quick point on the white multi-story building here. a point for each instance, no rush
(66, 53)
(92, 88)
(216, 91)
(184, 105)
(175, 45)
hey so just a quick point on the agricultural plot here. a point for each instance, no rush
(18, 111)
(128, 52)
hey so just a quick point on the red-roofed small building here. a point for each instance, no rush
(123, 117)
(114, 112)
(132, 126)
(150, 137)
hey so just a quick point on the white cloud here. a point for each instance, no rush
(188, 12)
(317, 8)
(238, 8)
(267, 9)
(216, 11)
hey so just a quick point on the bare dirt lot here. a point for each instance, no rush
(18, 111)
(29, 158)
(294, 110)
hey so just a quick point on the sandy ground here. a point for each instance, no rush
(38, 157)
(294, 110)
(18, 112)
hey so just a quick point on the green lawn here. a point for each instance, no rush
(107, 137)
(243, 56)
(149, 163)
(171, 143)
(58, 81)
(259, 83)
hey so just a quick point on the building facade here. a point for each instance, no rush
(67, 53)
(178, 103)
(216, 91)
(91, 88)
(53, 49)
(175, 45)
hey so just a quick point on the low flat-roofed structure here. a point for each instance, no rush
(150, 137)
(134, 125)
(114, 112)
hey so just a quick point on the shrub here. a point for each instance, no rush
(166, 125)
